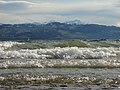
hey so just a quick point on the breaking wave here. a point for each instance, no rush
(58, 57)
(7, 44)
(60, 63)
(61, 53)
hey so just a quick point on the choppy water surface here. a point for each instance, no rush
(55, 68)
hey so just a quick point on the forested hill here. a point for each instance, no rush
(57, 31)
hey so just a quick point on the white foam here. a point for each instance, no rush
(68, 56)
(57, 53)
(20, 63)
(62, 53)
(6, 44)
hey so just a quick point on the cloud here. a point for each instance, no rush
(118, 24)
(8, 18)
(61, 7)
(95, 11)
(51, 8)
(9, 6)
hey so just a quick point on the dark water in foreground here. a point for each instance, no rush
(68, 68)
(60, 79)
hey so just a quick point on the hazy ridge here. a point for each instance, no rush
(57, 31)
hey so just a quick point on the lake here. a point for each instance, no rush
(40, 65)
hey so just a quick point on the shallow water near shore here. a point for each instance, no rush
(59, 78)
(55, 68)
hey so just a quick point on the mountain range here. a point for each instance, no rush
(58, 31)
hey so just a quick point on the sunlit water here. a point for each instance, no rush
(69, 68)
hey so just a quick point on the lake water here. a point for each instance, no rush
(69, 68)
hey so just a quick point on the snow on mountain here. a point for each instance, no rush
(77, 22)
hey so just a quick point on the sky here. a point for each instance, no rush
(88, 11)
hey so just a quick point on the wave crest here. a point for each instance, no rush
(62, 53)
